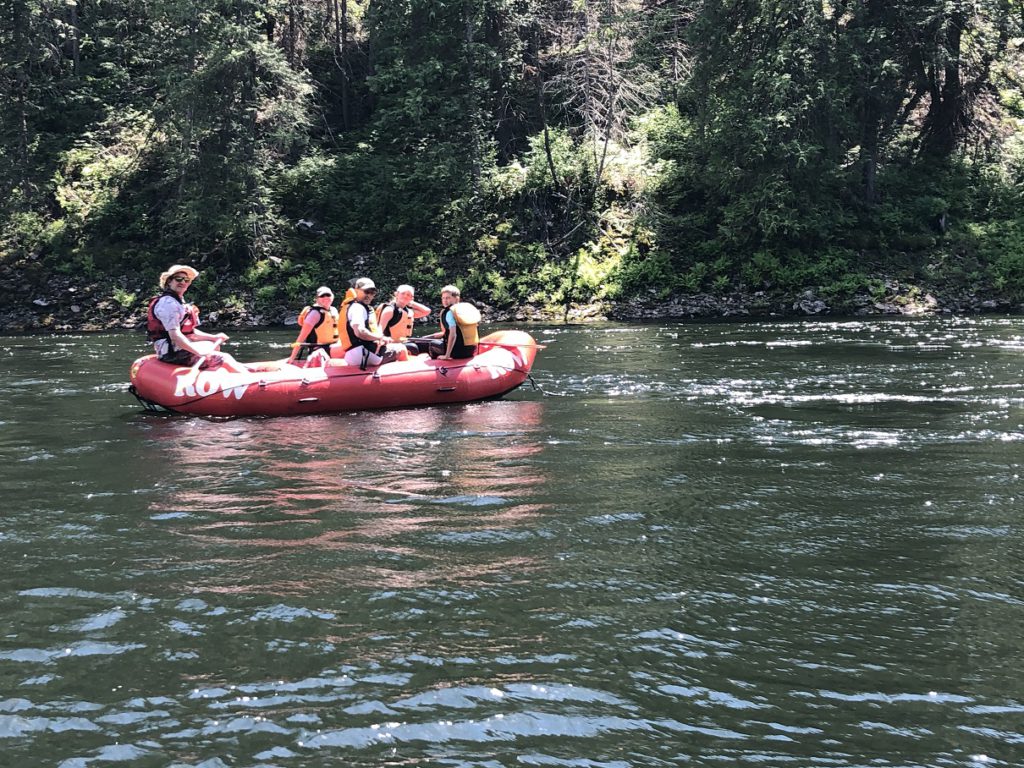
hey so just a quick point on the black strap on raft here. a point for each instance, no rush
(149, 405)
(537, 387)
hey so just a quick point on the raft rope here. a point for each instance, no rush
(149, 405)
(541, 389)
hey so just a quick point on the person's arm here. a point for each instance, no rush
(385, 316)
(359, 326)
(451, 340)
(217, 338)
(304, 331)
(181, 341)
(419, 310)
(170, 315)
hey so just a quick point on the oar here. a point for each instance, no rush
(488, 343)
(511, 346)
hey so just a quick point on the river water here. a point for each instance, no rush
(774, 544)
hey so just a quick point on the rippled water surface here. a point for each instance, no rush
(776, 544)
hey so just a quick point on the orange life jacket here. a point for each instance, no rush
(400, 324)
(346, 336)
(343, 331)
(466, 319)
(326, 329)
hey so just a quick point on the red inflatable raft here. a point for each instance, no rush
(278, 388)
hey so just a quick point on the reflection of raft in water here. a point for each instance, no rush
(277, 388)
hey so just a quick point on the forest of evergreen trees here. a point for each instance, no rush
(535, 151)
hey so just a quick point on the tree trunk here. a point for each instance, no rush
(474, 100)
(270, 25)
(20, 21)
(947, 114)
(871, 114)
(291, 33)
(75, 39)
(501, 101)
(341, 31)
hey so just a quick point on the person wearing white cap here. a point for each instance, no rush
(368, 346)
(173, 326)
(396, 318)
(318, 328)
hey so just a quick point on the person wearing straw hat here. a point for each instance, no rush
(173, 326)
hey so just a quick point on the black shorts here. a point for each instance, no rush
(184, 357)
(179, 357)
(307, 349)
(437, 348)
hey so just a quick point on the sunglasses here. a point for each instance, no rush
(182, 278)
(369, 290)
(325, 295)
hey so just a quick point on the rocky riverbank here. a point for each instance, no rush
(67, 304)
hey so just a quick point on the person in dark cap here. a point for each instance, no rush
(365, 345)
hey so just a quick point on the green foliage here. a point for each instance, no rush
(548, 153)
(1001, 246)
(298, 289)
(653, 269)
(841, 291)
(515, 276)
(126, 299)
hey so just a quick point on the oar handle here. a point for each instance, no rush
(415, 339)
(510, 345)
